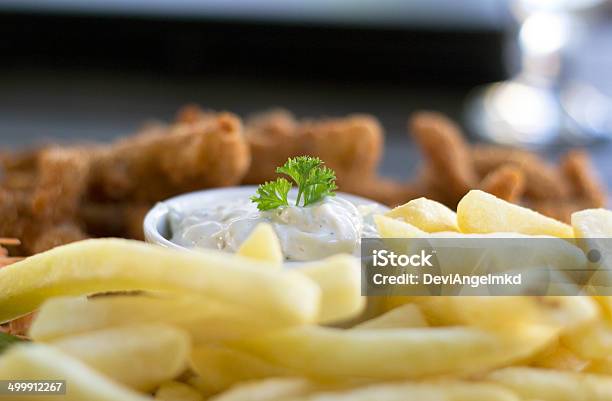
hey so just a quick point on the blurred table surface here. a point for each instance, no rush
(72, 106)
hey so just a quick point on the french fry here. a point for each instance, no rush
(561, 358)
(503, 252)
(220, 367)
(480, 212)
(404, 316)
(104, 265)
(434, 391)
(205, 321)
(139, 356)
(551, 314)
(592, 341)
(600, 366)
(426, 214)
(550, 385)
(339, 278)
(593, 229)
(275, 389)
(386, 354)
(177, 391)
(605, 303)
(201, 386)
(592, 223)
(392, 228)
(263, 244)
(42, 362)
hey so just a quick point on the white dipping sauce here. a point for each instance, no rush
(330, 226)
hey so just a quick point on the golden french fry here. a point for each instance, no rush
(219, 368)
(139, 356)
(480, 212)
(384, 354)
(593, 229)
(605, 303)
(177, 391)
(600, 366)
(392, 228)
(560, 358)
(427, 391)
(404, 316)
(593, 341)
(42, 362)
(275, 389)
(592, 223)
(202, 386)
(551, 385)
(475, 254)
(339, 278)
(263, 244)
(426, 214)
(102, 265)
(503, 313)
(204, 320)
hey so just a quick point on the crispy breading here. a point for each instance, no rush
(272, 138)
(43, 191)
(161, 163)
(384, 190)
(506, 182)
(20, 326)
(50, 200)
(5, 259)
(51, 236)
(542, 180)
(13, 206)
(20, 161)
(114, 219)
(352, 145)
(52, 195)
(61, 183)
(446, 153)
(584, 184)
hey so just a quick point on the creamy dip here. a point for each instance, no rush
(330, 226)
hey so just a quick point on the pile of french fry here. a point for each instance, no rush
(123, 320)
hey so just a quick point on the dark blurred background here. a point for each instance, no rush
(94, 70)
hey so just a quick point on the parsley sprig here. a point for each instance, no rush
(7, 340)
(314, 182)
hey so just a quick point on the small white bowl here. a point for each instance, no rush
(157, 229)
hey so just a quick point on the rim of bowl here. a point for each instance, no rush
(155, 224)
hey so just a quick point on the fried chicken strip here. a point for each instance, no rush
(160, 163)
(352, 146)
(446, 154)
(63, 174)
(114, 219)
(272, 138)
(506, 182)
(584, 184)
(5, 259)
(542, 181)
(36, 214)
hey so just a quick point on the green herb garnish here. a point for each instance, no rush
(6, 340)
(314, 182)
